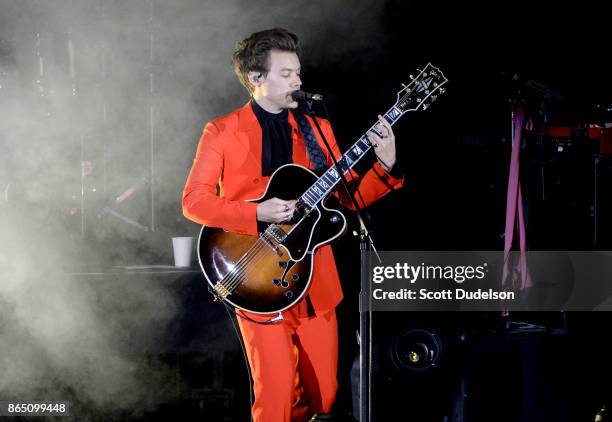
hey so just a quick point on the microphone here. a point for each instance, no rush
(302, 95)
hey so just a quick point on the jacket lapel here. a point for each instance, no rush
(249, 133)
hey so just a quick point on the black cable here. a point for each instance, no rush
(246, 360)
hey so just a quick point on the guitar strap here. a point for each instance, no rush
(320, 163)
(312, 146)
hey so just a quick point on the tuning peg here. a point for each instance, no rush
(442, 90)
(411, 76)
(434, 97)
(425, 106)
(404, 85)
(419, 69)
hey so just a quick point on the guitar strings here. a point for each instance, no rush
(252, 256)
(239, 277)
(255, 256)
(233, 280)
(239, 273)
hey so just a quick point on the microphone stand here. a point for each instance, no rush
(366, 244)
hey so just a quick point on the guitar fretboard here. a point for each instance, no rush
(326, 183)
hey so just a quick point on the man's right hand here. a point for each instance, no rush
(275, 210)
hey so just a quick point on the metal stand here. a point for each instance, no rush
(365, 326)
(366, 244)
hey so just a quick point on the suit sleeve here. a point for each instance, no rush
(201, 202)
(373, 185)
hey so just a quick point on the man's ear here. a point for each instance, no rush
(256, 78)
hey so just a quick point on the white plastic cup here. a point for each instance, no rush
(182, 247)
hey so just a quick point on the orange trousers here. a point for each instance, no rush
(293, 365)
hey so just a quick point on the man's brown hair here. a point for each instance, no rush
(253, 53)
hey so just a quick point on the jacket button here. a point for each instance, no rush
(256, 180)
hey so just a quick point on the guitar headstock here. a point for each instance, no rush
(423, 89)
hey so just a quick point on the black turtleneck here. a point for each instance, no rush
(276, 144)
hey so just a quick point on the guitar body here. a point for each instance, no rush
(264, 274)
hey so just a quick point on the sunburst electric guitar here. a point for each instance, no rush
(271, 272)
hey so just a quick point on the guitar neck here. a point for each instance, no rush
(326, 182)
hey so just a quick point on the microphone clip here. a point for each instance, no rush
(302, 95)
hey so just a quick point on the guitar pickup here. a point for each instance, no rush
(270, 243)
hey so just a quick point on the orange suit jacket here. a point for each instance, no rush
(229, 155)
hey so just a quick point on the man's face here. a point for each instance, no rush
(273, 91)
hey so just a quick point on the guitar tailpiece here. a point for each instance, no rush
(221, 291)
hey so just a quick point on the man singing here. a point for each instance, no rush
(294, 361)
